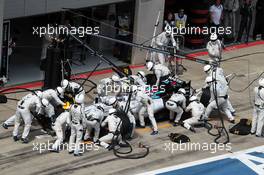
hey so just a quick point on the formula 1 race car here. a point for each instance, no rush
(160, 97)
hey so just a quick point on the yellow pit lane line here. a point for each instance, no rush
(161, 125)
(165, 124)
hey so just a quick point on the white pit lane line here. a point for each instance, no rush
(203, 161)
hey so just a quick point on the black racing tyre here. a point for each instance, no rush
(205, 98)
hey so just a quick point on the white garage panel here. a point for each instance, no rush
(21, 8)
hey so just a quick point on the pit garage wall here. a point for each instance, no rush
(1, 26)
(145, 18)
(22, 8)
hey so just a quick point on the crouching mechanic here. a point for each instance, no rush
(54, 96)
(77, 116)
(31, 103)
(72, 88)
(114, 124)
(214, 48)
(258, 112)
(121, 105)
(177, 104)
(161, 71)
(61, 121)
(11, 120)
(197, 110)
(94, 115)
(218, 99)
(46, 115)
(146, 107)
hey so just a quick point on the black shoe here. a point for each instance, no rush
(154, 133)
(15, 138)
(258, 136)
(5, 126)
(252, 133)
(110, 147)
(171, 121)
(123, 145)
(71, 152)
(192, 129)
(203, 120)
(129, 138)
(24, 140)
(97, 142)
(207, 126)
(142, 126)
(176, 123)
(232, 121)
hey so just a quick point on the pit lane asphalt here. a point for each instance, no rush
(17, 158)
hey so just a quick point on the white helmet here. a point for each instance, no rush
(112, 101)
(213, 37)
(39, 94)
(64, 83)
(168, 30)
(209, 79)
(206, 68)
(45, 102)
(181, 90)
(112, 111)
(59, 91)
(149, 65)
(261, 82)
(141, 73)
(79, 99)
(193, 98)
(115, 78)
